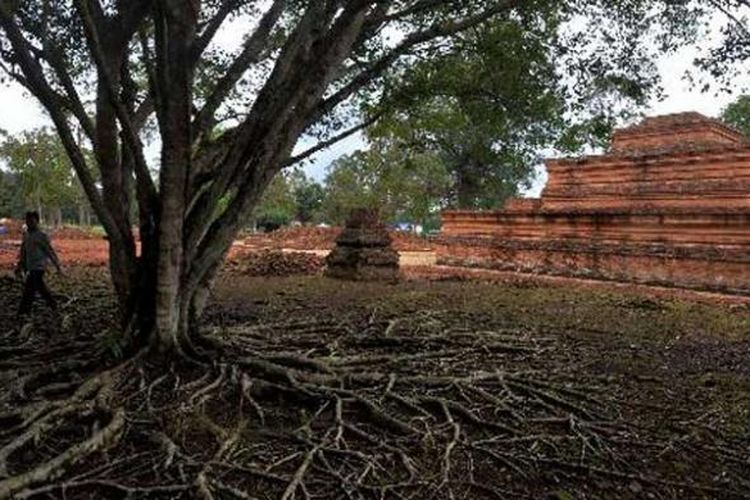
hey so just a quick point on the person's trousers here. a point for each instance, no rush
(35, 284)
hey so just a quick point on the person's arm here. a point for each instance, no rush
(21, 265)
(52, 254)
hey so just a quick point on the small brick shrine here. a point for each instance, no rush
(363, 250)
(668, 205)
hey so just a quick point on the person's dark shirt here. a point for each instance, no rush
(36, 251)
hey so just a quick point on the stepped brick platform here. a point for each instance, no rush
(363, 251)
(668, 205)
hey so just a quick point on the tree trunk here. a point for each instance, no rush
(467, 189)
(83, 215)
(166, 320)
(168, 300)
(176, 27)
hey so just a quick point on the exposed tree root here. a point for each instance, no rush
(408, 407)
(50, 470)
(90, 400)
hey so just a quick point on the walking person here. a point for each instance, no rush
(36, 252)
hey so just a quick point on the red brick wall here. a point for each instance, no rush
(704, 268)
(719, 180)
(674, 209)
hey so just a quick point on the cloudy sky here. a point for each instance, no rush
(19, 111)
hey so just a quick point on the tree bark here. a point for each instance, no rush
(467, 188)
(176, 22)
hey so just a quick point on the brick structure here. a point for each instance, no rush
(363, 251)
(668, 205)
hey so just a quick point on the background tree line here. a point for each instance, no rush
(435, 157)
(416, 164)
(37, 175)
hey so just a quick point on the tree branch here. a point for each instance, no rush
(250, 54)
(130, 16)
(732, 17)
(70, 100)
(307, 82)
(381, 65)
(54, 58)
(154, 99)
(132, 141)
(39, 86)
(212, 27)
(331, 141)
(266, 115)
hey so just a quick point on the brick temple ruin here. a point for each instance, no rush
(669, 204)
(364, 250)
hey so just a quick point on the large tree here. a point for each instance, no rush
(301, 69)
(309, 196)
(561, 91)
(489, 131)
(401, 187)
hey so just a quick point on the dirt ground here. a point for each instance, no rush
(432, 388)
(94, 252)
(73, 252)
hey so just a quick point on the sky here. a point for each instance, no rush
(19, 111)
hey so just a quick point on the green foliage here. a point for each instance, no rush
(11, 197)
(43, 175)
(402, 187)
(490, 102)
(737, 114)
(291, 196)
(278, 205)
(309, 197)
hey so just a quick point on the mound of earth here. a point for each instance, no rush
(324, 238)
(274, 263)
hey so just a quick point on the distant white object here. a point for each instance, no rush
(323, 224)
(408, 227)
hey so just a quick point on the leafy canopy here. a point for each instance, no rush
(42, 171)
(402, 188)
(489, 104)
(737, 114)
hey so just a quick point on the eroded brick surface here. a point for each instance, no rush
(363, 251)
(669, 204)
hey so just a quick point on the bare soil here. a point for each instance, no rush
(432, 388)
(324, 238)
